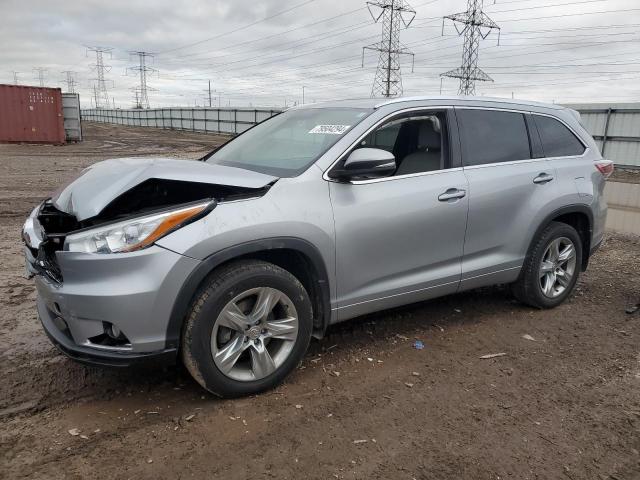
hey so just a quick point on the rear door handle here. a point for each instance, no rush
(451, 194)
(543, 178)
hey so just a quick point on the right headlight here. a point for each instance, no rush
(132, 234)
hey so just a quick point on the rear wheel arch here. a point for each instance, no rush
(579, 217)
(301, 258)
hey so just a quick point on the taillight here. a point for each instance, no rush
(605, 167)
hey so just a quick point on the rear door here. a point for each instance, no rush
(509, 184)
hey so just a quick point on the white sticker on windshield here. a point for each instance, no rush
(330, 129)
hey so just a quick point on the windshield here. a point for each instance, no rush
(287, 144)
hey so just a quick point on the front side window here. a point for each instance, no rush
(492, 136)
(287, 144)
(557, 140)
(418, 141)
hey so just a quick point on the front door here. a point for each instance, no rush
(400, 239)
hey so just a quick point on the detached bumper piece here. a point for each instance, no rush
(55, 329)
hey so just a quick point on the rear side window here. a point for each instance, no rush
(493, 136)
(557, 140)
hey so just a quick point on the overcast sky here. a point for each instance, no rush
(258, 52)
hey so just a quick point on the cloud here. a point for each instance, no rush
(562, 53)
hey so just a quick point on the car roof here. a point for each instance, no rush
(458, 100)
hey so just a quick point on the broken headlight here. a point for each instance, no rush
(133, 234)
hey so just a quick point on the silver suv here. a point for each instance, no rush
(315, 216)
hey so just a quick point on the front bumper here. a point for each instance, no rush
(134, 292)
(62, 339)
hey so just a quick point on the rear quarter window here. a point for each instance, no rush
(493, 136)
(557, 139)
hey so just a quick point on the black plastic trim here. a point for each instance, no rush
(194, 280)
(535, 143)
(455, 148)
(91, 356)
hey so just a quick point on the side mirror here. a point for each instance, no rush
(366, 163)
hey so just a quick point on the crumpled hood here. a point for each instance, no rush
(98, 185)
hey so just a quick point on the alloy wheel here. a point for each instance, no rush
(254, 334)
(557, 267)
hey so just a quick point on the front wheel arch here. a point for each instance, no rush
(310, 270)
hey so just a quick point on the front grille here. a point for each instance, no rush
(55, 222)
(47, 263)
(55, 225)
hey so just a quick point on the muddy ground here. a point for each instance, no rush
(364, 404)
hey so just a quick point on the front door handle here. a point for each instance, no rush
(543, 178)
(451, 194)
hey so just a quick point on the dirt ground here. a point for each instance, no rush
(563, 403)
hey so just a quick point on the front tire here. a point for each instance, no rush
(551, 269)
(248, 328)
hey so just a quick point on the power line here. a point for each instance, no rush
(244, 27)
(569, 15)
(323, 34)
(100, 93)
(268, 37)
(474, 20)
(279, 57)
(549, 5)
(341, 73)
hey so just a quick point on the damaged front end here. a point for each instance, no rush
(126, 204)
(106, 289)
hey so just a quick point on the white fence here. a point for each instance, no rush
(199, 119)
(615, 127)
(624, 207)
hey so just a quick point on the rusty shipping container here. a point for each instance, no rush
(31, 114)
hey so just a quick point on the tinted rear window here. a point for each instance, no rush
(491, 136)
(557, 140)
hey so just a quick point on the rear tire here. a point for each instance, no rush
(551, 268)
(248, 328)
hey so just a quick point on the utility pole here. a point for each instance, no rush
(101, 94)
(40, 74)
(475, 26)
(142, 68)
(209, 97)
(395, 15)
(302, 94)
(70, 81)
(15, 77)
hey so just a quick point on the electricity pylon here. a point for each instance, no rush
(395, 15)
(476, 26)
(142, 97)
(40, 74)
(70, 81)
(101, 95)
